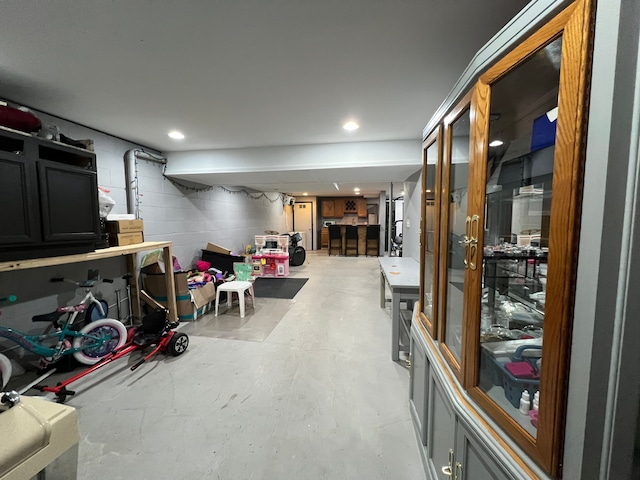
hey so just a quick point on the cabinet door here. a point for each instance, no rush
(473, 461)
(328, 208)
(418, 387)
(441, 426)
(69, 202)
(361, 205)
(430, 229)
(455, 232)
(19, 219)
(338, 210)
(324, 237)
(525, 210)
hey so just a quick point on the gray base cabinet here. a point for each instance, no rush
(418, 389)
(472, 460)
(452, 446)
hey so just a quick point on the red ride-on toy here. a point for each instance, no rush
(156, 331)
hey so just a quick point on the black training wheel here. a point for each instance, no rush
(178, 344)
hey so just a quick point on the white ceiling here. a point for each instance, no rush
(243, 73)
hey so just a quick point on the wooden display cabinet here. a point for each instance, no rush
(499, 272)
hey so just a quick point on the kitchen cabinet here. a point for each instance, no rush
(338, 207)
(357, 205)
(499, 240)
(324, 237)
(332, 208)
(328, 208)
(49, 194)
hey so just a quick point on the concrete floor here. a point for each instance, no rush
(318, 398)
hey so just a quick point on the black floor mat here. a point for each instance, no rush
(278, 287)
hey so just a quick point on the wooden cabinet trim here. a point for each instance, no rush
(435, 137)
(444, 223)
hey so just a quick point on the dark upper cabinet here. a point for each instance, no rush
(19, 215)
(68, 202)
(49, 198)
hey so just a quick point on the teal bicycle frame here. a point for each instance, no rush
(63, 335)
(34, 343)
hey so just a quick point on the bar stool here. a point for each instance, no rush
(335, 238)
(351, 239)
(373, 240)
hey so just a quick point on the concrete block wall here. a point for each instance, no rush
(187, 218)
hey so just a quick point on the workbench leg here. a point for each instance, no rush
(382, 282)
(395, 326)
(169, 282)
(134, 286)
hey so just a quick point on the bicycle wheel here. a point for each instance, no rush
(112, 331)
(5, 371)
(93, 312)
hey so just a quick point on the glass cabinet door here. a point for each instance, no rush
(430, 229)
(517, 215)
(454, 196)
(524, 211)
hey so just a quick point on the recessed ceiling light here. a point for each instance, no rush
(305, 194)
(428, 190)
(350, 126)
(496, 143)
(176, 135)
(356, 189)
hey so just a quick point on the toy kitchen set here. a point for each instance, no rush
(272, 256)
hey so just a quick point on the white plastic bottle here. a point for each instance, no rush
(536, 400)
(525, 403)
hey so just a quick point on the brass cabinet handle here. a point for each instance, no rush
(467, 241)
(448, 470)
(474, 230)
(458, 471)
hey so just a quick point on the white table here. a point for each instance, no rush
(402, 275)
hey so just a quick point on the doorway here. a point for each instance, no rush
(303, 223)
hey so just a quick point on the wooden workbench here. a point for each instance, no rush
(130, 251)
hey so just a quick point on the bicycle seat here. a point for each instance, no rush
(47, 317)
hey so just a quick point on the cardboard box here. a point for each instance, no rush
(125, 226)
(191, 304)
(204, 295)
(212, 247)
(154, 285)
(123, 239)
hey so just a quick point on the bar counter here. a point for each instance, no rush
(362, 239)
